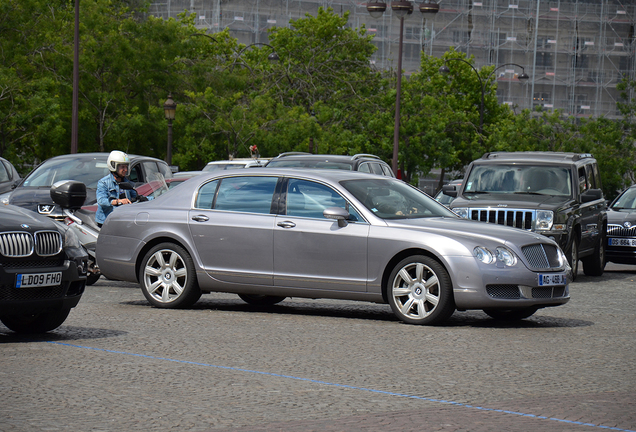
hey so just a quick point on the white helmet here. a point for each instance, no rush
(115, 158)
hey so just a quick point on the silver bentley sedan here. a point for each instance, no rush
(270, 234)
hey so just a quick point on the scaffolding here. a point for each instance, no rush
(575, 51)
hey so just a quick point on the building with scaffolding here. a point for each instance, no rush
(575, 51)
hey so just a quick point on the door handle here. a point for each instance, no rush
(286, 224)
(200, 218)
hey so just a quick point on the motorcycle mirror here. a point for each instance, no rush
(125, 185)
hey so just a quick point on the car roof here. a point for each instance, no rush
(95, 155)
(328, 175)
(536, 156)
(327, 157)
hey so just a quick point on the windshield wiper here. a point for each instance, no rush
(530, 193)
(477, 192)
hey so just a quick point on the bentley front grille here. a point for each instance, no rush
(542, 256)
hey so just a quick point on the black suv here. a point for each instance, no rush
(33, 192)
(360, 162)
(42, 271)
(555, 194)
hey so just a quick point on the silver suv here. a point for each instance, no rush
(360, 162)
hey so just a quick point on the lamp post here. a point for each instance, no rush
(75, 107)
(401, 9)
(482, 82)
(169, 109)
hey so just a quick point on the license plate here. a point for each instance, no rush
(622, 242)
(38, 280)
(552, 279)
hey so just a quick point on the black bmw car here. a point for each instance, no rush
(621, 228)
(42, 271)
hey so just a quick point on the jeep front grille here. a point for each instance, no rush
(518, 218)
(21, 244)
(621, 231)
(541, 256)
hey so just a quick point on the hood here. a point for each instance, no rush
(13, 218)
(30, 197)
(521, 200)
(619, 217)
(465, 228)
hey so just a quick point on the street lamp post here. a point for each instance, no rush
(169, 109)
(482, 82)
(401, 9)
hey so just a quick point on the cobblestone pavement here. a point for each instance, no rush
(321, 365)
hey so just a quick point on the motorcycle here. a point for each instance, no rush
(70, 196)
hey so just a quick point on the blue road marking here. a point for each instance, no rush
(388, 393)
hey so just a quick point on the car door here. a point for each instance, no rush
(313, 252)
(232, 228)
(590, 228)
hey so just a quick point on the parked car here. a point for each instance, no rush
(9, 176)
(268, 234)
(442, 198)
(555, 194)
(33, 192)
(235, 163)
(360, 162)
(42, 271)
(621, 228)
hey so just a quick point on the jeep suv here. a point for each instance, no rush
(360, 162)
(555, 194)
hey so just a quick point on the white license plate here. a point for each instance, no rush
(552, 279)
(622, 242)
(38, 280)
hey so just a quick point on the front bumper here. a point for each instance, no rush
(67, 294)
(481, 286)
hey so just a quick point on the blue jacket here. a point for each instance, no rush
(107, 191)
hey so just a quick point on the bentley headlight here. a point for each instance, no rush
(506, 256)
(71, 240)
(461, 212)
(545, 218)
(483, 255)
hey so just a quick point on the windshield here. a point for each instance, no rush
(519, 179)
(394, 199)
(87, 171)
(626, 201)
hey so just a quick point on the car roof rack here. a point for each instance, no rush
(292, 154)
(537, 154)
(361, 155)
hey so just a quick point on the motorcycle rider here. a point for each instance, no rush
(109, 194)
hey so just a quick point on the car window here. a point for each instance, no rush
(590, 176)
(387, 171)
(309, 199)
(377, 168)
(626, 201)
(86, 171)
(246, 194)
(394, 199)
(519, 179)
(364, 167)
(136, 174)
(205, 196)
(583, 185)
(165, 170)
(4, 175)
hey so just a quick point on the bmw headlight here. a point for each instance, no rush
(483, 255)
(506, 256)
(545, 218)
(71, 240)
(461, 212)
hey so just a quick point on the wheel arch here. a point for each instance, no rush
(399, 257)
